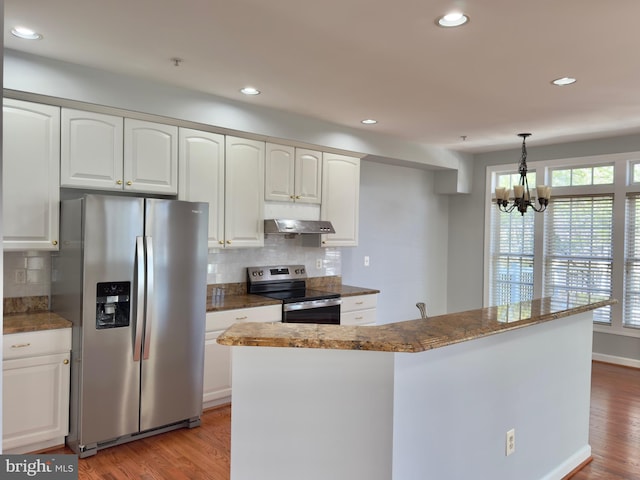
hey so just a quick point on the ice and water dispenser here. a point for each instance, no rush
(112, 304)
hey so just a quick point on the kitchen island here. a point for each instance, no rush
(422, 399)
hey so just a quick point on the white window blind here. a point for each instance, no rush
(511, 269)
(631, 306)
(579, 250)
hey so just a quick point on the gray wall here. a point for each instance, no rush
(403, 230)
(466, 228)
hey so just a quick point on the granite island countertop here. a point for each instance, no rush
(411, 335)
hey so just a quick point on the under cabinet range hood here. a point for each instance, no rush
(297, 226)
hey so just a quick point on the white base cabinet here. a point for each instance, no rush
(35, 402)
(359, 310)
(217, 358)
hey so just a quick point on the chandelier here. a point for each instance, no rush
(522, 199)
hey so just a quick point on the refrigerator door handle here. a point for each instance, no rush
(149, 296)
(137, 344)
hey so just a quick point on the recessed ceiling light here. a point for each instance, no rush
(452, 19)
(564, 81)
(369, 121)
(250, 91)
(25, 33)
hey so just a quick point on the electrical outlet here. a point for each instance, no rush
(21, 276)
(511, 442)
(319, 263)
(366, 260)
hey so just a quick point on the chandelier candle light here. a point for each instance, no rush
(522, 199)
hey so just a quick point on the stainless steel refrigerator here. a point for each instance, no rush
(131, 277)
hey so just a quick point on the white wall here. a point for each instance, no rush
(1, 256)
(403, 231)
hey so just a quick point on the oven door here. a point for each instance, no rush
(326, 311)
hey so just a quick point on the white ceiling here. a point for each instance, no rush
(346, 60)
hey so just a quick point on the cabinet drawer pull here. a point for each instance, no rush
(359, 318)
(21, 345)
(241, 318)
(66, 361)
(359, 303)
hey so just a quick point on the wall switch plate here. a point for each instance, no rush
(366, 260)
(21, 276)
(319, 263)
(511, 442)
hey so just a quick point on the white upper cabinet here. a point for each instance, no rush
(31, 175)
(308, 184)
(244, 193)
(279, 173)
(150, 157)
(293, 174)
(201, 176)
(107, 152)
(340, 199)
(91, 150)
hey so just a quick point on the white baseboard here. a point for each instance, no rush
(569, 464)
(627, 362)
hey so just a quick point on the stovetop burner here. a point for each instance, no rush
(283, 282)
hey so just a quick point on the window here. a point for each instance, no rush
(578, 250)
(631, 316)
(512, 250)
(585, 246)
(580, 176)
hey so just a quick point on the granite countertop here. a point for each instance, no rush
(408, 336)
(231, 302)
(28, 314)
(33, 321)
(218, 301)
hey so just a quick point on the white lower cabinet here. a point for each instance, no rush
(217, 358)
(359, 310)
(35, 402)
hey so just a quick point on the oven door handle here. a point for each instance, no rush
(310, 304)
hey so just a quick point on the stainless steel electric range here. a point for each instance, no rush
(300, 304)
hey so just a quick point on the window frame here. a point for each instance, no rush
(622, 185)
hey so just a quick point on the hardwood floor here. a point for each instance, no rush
(614, 431)
(203, 453)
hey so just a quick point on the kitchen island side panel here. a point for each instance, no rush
(312, 414)
(454, 405)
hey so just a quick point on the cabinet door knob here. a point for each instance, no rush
(129, 182)
(292, 197)
(55, 242)
(220, 242)
(297, 197)
(66, 361)
(229, 242)
(119, 182)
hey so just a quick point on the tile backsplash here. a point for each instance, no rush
(229, 266)
(28, 273)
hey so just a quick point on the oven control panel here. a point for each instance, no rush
(276, 272)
